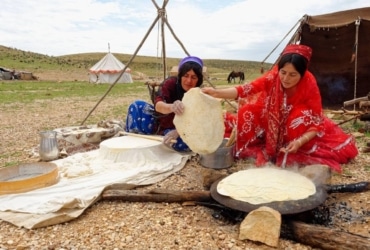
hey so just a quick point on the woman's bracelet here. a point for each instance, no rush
(306, 137)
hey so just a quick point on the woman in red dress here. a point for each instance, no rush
(280, 114)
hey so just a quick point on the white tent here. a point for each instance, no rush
(108, 69)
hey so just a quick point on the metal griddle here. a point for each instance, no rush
(284, 207)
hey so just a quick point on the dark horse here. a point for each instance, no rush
(233, 74)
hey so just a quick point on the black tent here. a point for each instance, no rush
(341, 53)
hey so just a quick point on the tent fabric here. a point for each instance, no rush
(338, 19)
(341, 73)
(108, 69)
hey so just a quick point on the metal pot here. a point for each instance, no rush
(221, 158)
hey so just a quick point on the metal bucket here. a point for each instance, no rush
(48, 145)
(221, 158)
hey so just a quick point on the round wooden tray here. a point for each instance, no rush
(28, 176)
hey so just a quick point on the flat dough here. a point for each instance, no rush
(201, 126)
(264, 185)
(129, 149)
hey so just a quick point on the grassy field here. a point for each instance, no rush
(67, 76)
(15, 95)
(67, 65)
(27, 91)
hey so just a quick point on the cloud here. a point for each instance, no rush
(211, 29)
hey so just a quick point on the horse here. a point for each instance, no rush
(233, 74)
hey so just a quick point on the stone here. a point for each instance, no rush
(262, 225)
(319, 174)
(209, 176)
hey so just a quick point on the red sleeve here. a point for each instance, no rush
(259, 85)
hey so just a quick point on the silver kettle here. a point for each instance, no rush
(48, 146)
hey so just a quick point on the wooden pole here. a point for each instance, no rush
(327, 238)
(149, 137)
(123, 71)
(155, 195)
(354, 101)
(312, 235)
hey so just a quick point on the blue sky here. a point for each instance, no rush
(210, 29)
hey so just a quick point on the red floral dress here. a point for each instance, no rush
(268, 119)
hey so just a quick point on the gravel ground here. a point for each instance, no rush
(148, 225)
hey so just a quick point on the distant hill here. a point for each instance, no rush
(75, 67)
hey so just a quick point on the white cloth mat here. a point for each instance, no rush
(83, 177)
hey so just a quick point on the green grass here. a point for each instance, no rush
(26, 92)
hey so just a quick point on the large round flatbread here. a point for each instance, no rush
(264, 185)
(201, 126)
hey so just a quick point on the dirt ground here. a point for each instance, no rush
(148, 225)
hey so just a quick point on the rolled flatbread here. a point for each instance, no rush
(201, 126)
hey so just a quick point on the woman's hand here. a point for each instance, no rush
(226, 93)
(292, 147)
(170, 137)
(209, 91)
(177, 107)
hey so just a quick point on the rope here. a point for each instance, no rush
(129, 62)
(176, 38)
(124, 69)
(161, 15)
(299, 22)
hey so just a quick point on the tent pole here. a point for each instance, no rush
(187, 53)
(162, 15)
(176, 38)
(299, 22)
(124, 69)
(162, 12)
(357, 23)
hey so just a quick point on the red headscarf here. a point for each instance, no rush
(302, 50)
